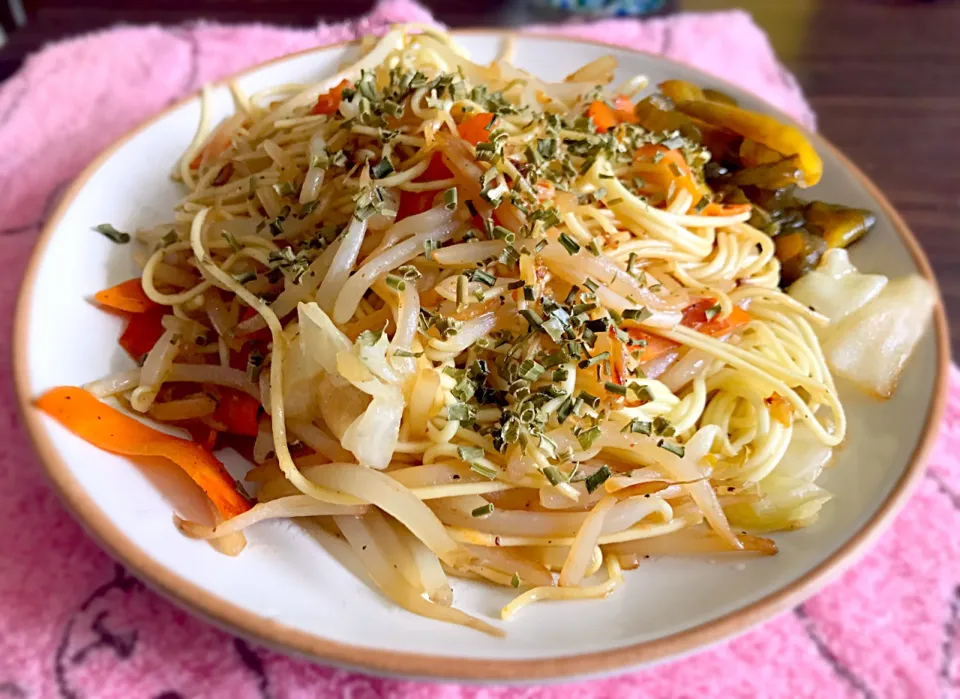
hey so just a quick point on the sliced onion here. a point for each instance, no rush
(655, 368)
(183, 408)
(508, 563)
(211, 373)
(627, 513)
(457, 511)
(692, 542)
(468, 254)
(605, 272)
(357, 285)
(394, 499)
(408, 314)
(318, 440)
(263, 447)
(421, 404)
(342, 264)
(293, 294)
(393, 585)
(115, 383)
(686, 470)
(155, 369)
(432, 578)
(690, 366)
(584, 543)
(311, 185)
(430, 220)
(471, 331)
(281, 508)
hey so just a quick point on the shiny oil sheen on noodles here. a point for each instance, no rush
(480, 325)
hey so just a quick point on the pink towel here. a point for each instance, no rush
(73, 623)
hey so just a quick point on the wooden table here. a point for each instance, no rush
(882, 75)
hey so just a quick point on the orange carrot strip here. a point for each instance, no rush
(656, 346)
(477, 128)
(602, 116)
(329, 102)
(671, 167)
(623, 108)
(695, 316)
(126, 296)
(111, 430)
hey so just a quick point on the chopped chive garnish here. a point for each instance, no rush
(501, 233)
(509, 256)
(407, 353)
(513, 286)
(515, 580)
(470, 454)
(530, 370)
(483, 276)
(254, 365)
(450, 199)
(590, 284)
(637, 314)
(112, 233)
(642, 392)
(552, 474)
(594, 248)
(483, 510)
(615, 388)
(590, 399)
(596, 359)
(245, 277)
(531, 317)
(712, 312)
(588, 437)
(563, 412)
(662, 426)
(554, 328)
(671, 447)
(597, 478)
(571, 245)
(637, 426)
(395, 282)
(483, 471)
(382, 169)
(540, 245)
(429, 245)
(463, 290)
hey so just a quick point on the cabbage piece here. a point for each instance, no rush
(300, 390)
(372, 437)
(320, 339)
(359, 393)
(805, 457)
(871, 346)
(787, 503)
(836, 289)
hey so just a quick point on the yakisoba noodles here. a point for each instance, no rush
(480, 325)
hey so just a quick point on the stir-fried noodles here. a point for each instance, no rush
(485, 326)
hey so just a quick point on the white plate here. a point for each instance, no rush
(286, 591)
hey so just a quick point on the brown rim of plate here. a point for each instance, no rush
(262, 630)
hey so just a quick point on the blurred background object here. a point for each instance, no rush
(882, 75)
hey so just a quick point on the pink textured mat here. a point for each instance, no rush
(74, 624)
